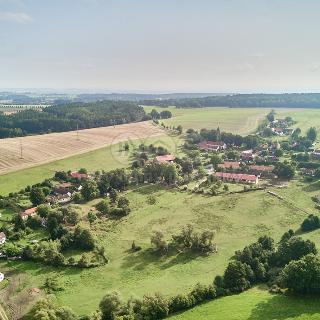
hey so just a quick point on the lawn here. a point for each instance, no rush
(108, 158)
(238, 219)
(255, 304)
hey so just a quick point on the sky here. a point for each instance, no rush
(161, 45)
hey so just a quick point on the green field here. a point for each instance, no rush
(255, 304)
(108, 158)
(236, 120)
(238, 220)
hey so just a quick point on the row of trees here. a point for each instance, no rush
(70, 117)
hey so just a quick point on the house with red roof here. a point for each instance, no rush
(237, 177)
(229, 165)
(212, 145)
(168, 158)
(31, 212)
(78, 175)
(261, 170)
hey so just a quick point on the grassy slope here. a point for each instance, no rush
(107, 158)
(238, 219)
(255, 304)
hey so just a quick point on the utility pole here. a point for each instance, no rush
(21, 150)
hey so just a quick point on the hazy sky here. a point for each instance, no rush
(161, 45)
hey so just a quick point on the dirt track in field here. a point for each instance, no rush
(45, 148)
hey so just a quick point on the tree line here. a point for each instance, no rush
(69, 117)
(292, 100)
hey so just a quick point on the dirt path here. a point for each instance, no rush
(45, 148)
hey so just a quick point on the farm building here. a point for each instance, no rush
(247, 155)
(168, 158)
(1, 277)
(278, 131)
(237, 177)
(78, 175)
(229, 165)
(261, 170)
(60, 198)
(31, 212)
(3, 238)
(212, 145)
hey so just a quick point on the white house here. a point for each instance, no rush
(1, 276)
(3, 238)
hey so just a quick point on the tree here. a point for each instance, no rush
(310, 223)
(43, 210)
(236, 276)
(37, 196)
(72, 215)
(113, 195)
(294, 249)
(154, 307)
(312, 134)
(103, 206)
(179, 129)
(155, 114)
(89, 190)
(270, 116)
(302, 276)
(123, 202)
(296, 133)
(84, 238)
(92, 217)
(284, 170)
(166, 114)
(157, 239)
(215, 160)
(110, 305)
(19, 223)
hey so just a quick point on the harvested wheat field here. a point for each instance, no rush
(45, 148)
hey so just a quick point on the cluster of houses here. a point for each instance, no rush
(243, 171)
(279, 127)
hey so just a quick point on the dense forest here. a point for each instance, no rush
(70, 116)
(292, 100)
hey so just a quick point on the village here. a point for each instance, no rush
(214, 163)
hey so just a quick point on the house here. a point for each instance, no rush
(78, 175)
(63, 188)
(278, 131)
(261, 170)
(60, 198)
(31, 212)
(212, 145)
(3, 238)
(1, 277)
(247, 155)
(237, 177)
(309, 172)
(168, 158)
(229, 165)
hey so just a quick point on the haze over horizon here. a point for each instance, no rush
(160, 46)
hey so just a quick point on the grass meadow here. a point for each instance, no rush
(237, 219)
(236, 120)
(255, 304)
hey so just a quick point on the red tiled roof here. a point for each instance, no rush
(165, 158)
(78, 175)
(236, 176)
(262, 168)
(229, 165)
(28, 212)
(211, 144)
